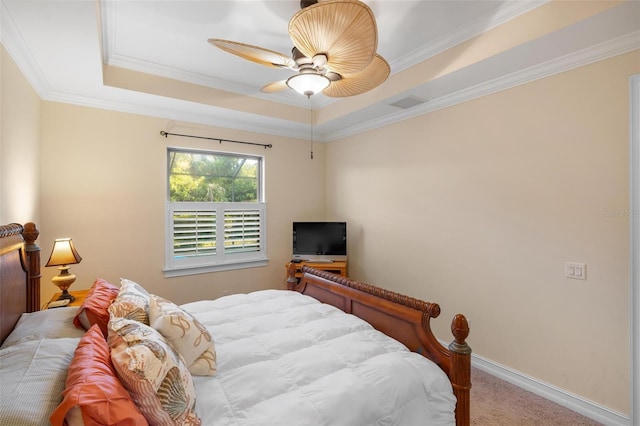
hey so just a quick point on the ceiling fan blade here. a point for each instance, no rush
(276, 86)
(344, 30)
(354, 84)
(256, 54)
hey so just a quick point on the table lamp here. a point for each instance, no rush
(64, 254)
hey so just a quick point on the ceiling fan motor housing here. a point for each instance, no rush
(299, 57)
(306, 3)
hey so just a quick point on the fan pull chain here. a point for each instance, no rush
(311, 123)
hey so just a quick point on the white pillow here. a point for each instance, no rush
(132, 302)
(47, 324)
(186, 334)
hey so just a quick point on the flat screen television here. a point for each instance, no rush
(320, 241)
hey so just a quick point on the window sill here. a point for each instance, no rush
(194, 270)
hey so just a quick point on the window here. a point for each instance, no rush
(215, 216)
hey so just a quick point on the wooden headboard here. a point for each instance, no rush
(19, 274)
(404, 318)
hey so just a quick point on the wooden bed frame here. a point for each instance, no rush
(19, 274)
(404, 318)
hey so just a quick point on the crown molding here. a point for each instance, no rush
(14, 44)
(583, 57)
(488, 21)
(574, 60)
(18, 50)
(107, 19)
(220, 118)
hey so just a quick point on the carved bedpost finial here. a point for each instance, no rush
(460, 373)
(30, 233)
(460, 331)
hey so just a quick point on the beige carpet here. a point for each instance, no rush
(496, 402)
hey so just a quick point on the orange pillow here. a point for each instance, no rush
(94, 309)
(92, 385)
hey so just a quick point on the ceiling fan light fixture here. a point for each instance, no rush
(334, 50)
(308, 84)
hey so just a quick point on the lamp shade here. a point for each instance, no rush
(308, 83)
(63, 253)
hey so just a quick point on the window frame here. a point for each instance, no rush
(222, 259)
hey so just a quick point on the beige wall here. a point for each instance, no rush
(104, 185)
(478, 206)
(19, 145)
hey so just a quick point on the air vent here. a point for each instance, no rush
(408, 102)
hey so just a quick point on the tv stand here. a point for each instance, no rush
(337, 267)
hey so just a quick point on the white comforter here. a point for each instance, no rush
(286, 359)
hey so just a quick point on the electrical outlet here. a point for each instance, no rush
(576, 271)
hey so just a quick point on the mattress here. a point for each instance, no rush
(32, 378)
(284, 358)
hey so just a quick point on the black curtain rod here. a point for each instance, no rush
(265, 146)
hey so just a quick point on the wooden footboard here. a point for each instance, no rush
(404, 318)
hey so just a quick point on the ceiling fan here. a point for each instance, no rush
(334, 51)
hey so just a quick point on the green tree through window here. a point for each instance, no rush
(197, 176)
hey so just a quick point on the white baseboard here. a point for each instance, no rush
(566, 399)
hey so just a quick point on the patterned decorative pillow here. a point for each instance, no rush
(95, 308)
(153, 373)
(186, 334)
(132, 302)
(93, 390)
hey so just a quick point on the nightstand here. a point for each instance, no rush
(337, 267)
(80, 295)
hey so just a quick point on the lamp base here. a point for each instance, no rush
(66, 295)
(63, 281)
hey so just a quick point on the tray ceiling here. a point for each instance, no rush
(151, 57)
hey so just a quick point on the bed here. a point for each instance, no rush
(319, 352)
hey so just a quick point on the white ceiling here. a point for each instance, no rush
(152, 57)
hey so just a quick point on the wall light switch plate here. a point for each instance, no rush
(576, 271)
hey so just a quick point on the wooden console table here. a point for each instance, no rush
(336, 267)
